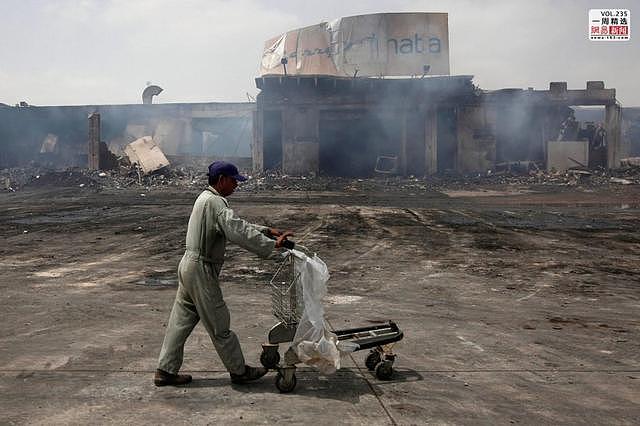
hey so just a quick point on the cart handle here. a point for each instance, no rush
(290, 245)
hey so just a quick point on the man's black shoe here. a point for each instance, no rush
(162, 378)
(250, 374)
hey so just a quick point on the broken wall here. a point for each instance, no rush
(527, 119)
(522, 127)
(215, 130)
(300, 141)
(616, 148)
(476, 150)
(631, 130)
(563, 155)
(23, 130)
(170, 134)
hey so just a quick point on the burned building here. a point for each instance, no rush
(415, 126)
(351, 126)
(539, 126)
(338, 126)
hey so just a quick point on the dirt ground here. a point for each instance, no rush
(519, 304)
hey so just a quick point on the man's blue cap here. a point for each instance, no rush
(225, 169)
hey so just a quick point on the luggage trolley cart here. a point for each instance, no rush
(287, 306)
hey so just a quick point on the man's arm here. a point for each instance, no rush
(244, 234)
(269, 232)
(260, 228)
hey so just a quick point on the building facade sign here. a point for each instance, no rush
(376, 45)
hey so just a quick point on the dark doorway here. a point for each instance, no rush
(447, 139)
(344, 149)
(416, 151)
(519, 133)
(272, 143)
(350, 142)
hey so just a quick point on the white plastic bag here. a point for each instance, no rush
(314, 343)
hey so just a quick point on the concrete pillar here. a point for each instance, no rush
(300, 147)
(431, 142)
(403, 143)
(288, 138)
(612, 125)
(94, 142)
(257, 143)
(545, 133)
(463, 131)
(186, 144)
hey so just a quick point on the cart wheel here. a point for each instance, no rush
(372, 359)
(269, 359)
(384, 370)
(285, 386)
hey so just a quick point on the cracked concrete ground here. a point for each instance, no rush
(518, 306)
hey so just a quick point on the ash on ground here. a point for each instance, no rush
(193, 176)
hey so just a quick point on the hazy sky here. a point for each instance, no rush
(65, 52)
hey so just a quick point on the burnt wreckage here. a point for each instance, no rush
(341, 126)
(358, 126)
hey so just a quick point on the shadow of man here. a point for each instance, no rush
(347, 384)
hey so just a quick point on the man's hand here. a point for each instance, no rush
(274, 232)
(280, 237)
(282, 241)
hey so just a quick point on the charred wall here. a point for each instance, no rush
(418, 126)
(631, 130)
(526, 121)
(476, 145)
(344, 126)
(23, 130)
(204, 129)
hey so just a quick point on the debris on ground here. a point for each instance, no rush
(621, 181)
(630, 162)
(520, 175)
(125, 176)
(193, 175)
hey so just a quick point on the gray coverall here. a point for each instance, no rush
(199, 297)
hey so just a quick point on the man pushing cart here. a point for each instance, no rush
(297, 289)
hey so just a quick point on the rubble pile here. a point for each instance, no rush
(572, 177)
(190, 176)
(16, 179)
(132, 176)
(271, 181)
